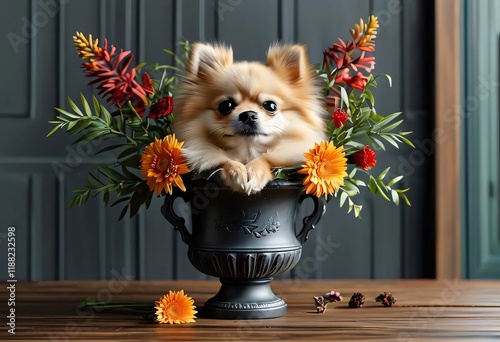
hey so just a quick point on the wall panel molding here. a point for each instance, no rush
(447, 95)
(17, 92)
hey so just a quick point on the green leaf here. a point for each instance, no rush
(132, 161)
(359, 182)
(62, 119)
(394, 180)
(382, 189)
(85, 104)
(343, 197)
(106, 115)
(377, 143)
(93, 180)
(406, 141)
(97, 106)
(68, 114)
(108, 148)
(385, 121)
(357, 210)
(123, 212)
(391, 127)
(369, 96)
(53, 130)
(344, 99)
(350, 188)
(74, 107)
(383, 174)
(353, 173)
(388, 77)
(110, 173)
(404, 198)
(372, 185)
(149, 197)
(83, 198)
(105, 197)
(135, 204)
(79, 125)
(390, 139)
(118, 201)
(129, 176)
(141, 65)
(89, 136)
(395, 197)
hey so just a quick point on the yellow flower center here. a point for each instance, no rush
(326, 169)
(166, 166)
(173, 312)
(163, 164)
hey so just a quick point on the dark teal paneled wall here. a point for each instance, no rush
(481, 140)
(41, 68)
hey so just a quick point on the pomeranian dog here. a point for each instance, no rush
(246, 118)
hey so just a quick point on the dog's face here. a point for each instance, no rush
(243, 101)
(246, 106)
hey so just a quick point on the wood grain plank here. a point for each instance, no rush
(425, 310)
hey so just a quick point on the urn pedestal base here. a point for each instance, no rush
(244, 299)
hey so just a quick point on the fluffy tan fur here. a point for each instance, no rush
(213, 140)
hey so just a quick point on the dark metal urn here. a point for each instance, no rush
(245, 241)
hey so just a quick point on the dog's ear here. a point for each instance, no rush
(289, 61)
(205, 57)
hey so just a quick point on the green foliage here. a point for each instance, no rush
(364, 127)
(128, 135)
(131, 135)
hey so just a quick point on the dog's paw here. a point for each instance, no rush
(259, 174)
(234, 175)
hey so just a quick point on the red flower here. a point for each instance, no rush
(358, 81)
(366, 63)
(365, 158)
(161, 108)
(339, 117)
(111, 71)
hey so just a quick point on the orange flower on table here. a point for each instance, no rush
(162, 165)
(325, 168)
(176, 308)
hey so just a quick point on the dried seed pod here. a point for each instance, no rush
(333, 296)
(320, 303)
(357, 300)
(386, 298)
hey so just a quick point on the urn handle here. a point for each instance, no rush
(309, 222)
(178, 222)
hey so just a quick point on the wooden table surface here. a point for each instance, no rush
(425, 310)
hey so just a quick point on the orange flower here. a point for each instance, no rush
(363, 34)
(162, 165)
(325, 168)
(87, 48)
(176, 308)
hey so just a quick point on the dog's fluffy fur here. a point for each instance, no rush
(246, 154)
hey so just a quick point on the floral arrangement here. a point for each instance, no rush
(139, 111)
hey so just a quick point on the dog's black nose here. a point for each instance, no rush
(248, 117)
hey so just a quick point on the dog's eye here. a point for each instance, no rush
(270, 106)
(226, 106)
